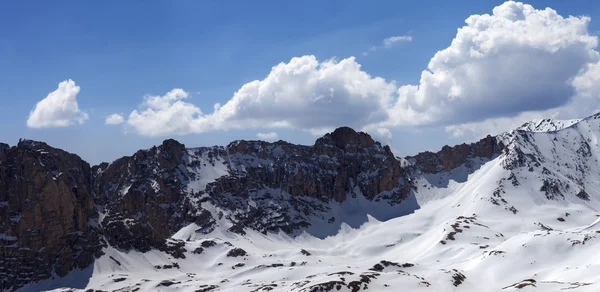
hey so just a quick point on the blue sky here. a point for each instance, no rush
(118, 53)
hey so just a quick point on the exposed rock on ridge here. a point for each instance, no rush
(452, 157)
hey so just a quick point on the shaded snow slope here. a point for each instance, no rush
(524, 220)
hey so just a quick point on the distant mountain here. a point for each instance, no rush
(511, 212)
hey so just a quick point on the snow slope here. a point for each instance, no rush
(526, 220)
(547, 125)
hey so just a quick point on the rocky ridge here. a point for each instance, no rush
(452, 157)
(59, 213)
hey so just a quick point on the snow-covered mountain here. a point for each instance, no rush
(519, 211)
(547, 125)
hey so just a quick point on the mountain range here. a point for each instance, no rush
(517, 211)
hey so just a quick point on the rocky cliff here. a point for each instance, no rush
(47, 215)
(58, 212)
(162, 189)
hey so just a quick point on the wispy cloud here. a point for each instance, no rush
(267, 136)
(391, 41)
(114, 119)
(388, 43)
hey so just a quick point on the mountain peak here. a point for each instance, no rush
(172, 143)
(27, 143)
(4, 147)
(344, 136)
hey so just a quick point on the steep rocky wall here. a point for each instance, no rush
(451, 157)
(143, 197)
(46, 214)
(147, 197)
(332, 168)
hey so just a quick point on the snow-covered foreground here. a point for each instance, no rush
(509, 224)
(442, 247)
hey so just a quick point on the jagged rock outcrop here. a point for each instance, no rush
(451, 157)
(340, 164)
(332, 168)
(47, 214)
(143, 197)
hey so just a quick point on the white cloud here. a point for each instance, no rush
(303, 94)
(114, 119)
(495, 126)
(518, 59)
(383, 135)
(499, 71)
(267, 136)
(584, 102)
(391, 41)
(587, 86)
(308, 95)
(58, 109)
(388, 43)
(167, 115)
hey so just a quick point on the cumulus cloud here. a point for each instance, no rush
(308, 95)
(267, 136)
(167, 115)
(500, 70)
(584, 102)
(517, 59)
(391, 41)
(114, 119)
(302, 94)
(58, 109)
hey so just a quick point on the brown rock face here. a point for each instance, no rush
(46, 208)
(451, 157)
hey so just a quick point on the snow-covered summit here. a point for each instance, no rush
(547, 125)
